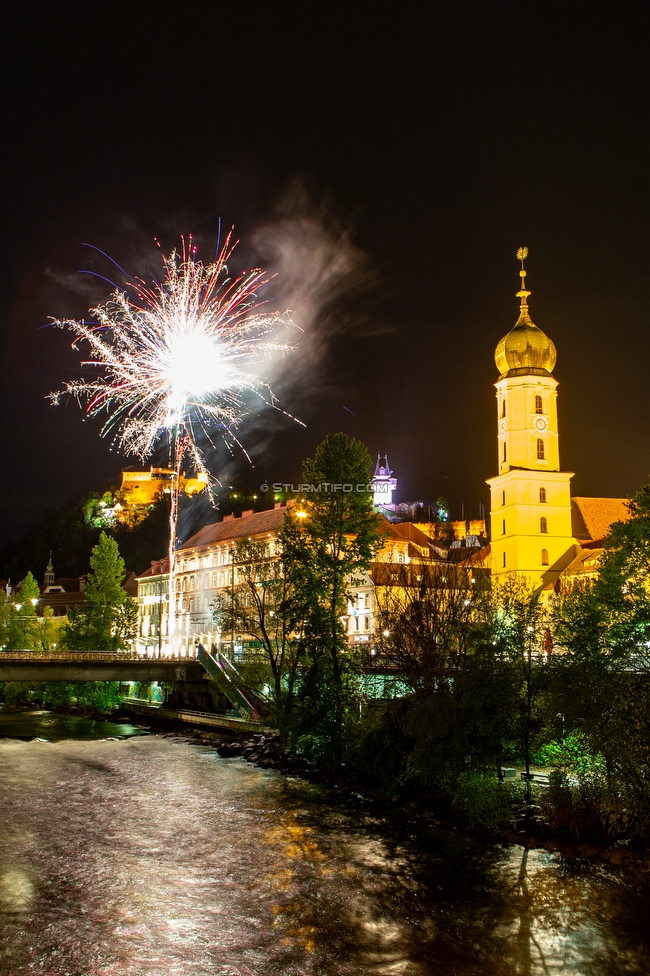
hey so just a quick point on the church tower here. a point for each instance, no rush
(49, 573)
(383, 483)
(531, 498)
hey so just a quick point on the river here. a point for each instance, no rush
(150, 856)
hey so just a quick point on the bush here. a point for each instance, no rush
(379, 745)
(485, 803)
(572, 752)
(587, 806)
(21, 692)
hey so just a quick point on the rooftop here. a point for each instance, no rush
(591, 518)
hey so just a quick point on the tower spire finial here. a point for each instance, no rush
(523, 294)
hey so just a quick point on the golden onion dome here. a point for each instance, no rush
(525, 349)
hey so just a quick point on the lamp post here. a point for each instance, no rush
(25, 616)
(232, 606)
(529, 709)
(160, 594)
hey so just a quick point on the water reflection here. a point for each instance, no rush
(31, 724)
(16, 891)
(155, 857)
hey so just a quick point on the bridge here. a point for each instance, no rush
(95, 666)
(124, 666)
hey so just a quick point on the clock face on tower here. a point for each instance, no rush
(540, 422)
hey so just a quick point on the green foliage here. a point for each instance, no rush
(585, 807)
(263, 605)
(107, 620)
(99, 510)
(49, 630)
(18, 619)
(89, 697)
(29, 591)
(571, 753)
(597, 703)
(442, 509)
(623, 585)
(380, 743)
(20, 692)
(323, 554)
(485, 803)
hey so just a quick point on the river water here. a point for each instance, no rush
(154, 857)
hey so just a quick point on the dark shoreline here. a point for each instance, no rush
(264, 750)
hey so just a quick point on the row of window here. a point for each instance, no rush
(541, 450)
(357, 623)
(539, 405)
(542, 496)
(544, 559)
(543, 525)
(222, 557)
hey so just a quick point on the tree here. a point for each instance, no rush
(20, 618)
(468, 656)
(48, 630)
(326, 545)
(107, 620)
(427, 615)
(599, 684)
(623, 582)
(264, 607)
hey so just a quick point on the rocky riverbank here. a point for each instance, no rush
(265, 750)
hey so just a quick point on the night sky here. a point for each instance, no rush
(412, 153)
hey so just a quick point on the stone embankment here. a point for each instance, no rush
(267, 752)
(262, 749)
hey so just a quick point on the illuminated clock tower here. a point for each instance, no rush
(531, 499)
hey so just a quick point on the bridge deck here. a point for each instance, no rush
(95, 666)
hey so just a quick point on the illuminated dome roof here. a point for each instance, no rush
(525, 349)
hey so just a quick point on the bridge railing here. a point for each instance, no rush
(67, 656)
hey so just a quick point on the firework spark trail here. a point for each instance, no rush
(178, 359)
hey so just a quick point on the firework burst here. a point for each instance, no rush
(178, 359)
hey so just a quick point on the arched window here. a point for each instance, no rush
(504, 560)
(542, 495)
(503, 497)
(503, 408)
(505, 453)
(504, 527)
(543, 525)
(544, 557)
(541, 450)
(538, 404)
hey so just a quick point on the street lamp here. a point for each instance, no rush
(529, 709)
(25, 616)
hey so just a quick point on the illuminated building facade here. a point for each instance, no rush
(383, 484)
(538, 530)
(530, 497)
(141, 489)
(207, 573)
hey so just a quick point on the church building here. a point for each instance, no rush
(538, 530)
